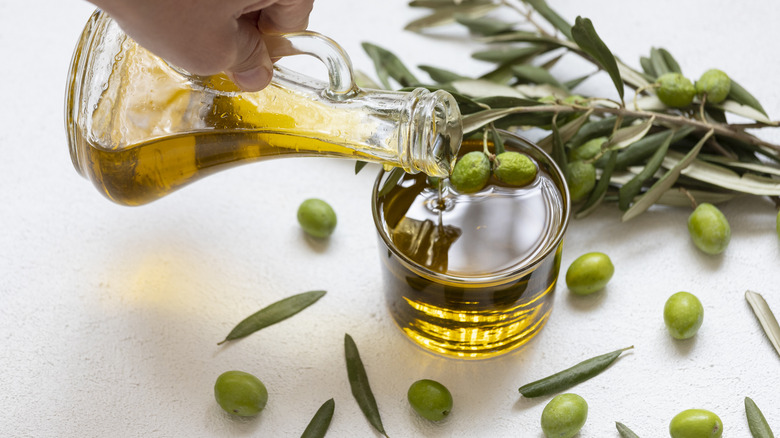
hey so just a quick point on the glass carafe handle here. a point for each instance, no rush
(341, 80)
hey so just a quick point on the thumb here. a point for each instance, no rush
(253, 69)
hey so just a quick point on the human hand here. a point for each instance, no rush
(207, 37)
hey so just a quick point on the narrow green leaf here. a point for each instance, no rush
(440, 75)
(633, 77)
(566, 132)
(741, 95)
(276, 312)
(558, 151)
(551, 16)
(446, 14)
(358, 382)
(624, 431)
(664, 183)
(509, 54)
(483, 25)
(647, 66)
(498, 142)
(573, 83)
(730, 162)
(586, 37)
(600, 190)
(569, 377)
(676, 198)
(671, 63)
(359, 165)
(521, 36)
(758, 425)
(629, 190)
(630, 134)
(477, 88)
(537, 75)
(765, 317)
(722, 177)
(500, 75)
(595, 128)
(387, 65)
(318, 426)
(392, 179)
(746, 111)
(658, 61)
(640, 150)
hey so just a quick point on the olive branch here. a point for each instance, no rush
(653, 153)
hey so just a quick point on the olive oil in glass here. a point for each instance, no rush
(472, 275)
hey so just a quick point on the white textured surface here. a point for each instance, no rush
(109, 315)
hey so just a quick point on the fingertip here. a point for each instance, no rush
(253, 79)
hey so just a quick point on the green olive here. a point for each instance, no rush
(515, 169)
(675, 90)
(696, 423)
(471, 172)
(430, 399)
(564, 416)
(715, 84)
(316, 217)
(709, 229)
(588, 150)
(589, 273)
(240, 393)
(683, 315)
(582, 179)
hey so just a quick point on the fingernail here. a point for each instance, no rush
(254, 79)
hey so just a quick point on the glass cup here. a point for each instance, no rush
(472, 275)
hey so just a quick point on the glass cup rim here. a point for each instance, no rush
(493, 278)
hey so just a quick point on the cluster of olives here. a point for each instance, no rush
(472, 171)
(677, 91)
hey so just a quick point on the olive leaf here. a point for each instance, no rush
(484, 26)
(558, 151)
(446, 14)
(482, 88)
(498, 142)
(566, 132)
(521, 36)
(679, 198)
(665, 182)
(569, 377)
(671, 63)
(510, 54)
(276, 312)
(440, 75)
(318, 426)
(765, 317)
(392, 179)
(624, 431)
(358, 382)
(730, 162)
(746, 111)
(359, 165)
(647, 66)
(586, 37)
(658, 62)
(739, 94)
(388, 65)
(629, 190)
(644, 148)
(758, 425)
(725, 178)
(629, 135)
(551, 16)
(536, 75)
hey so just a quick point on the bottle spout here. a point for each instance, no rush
(436, 132)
